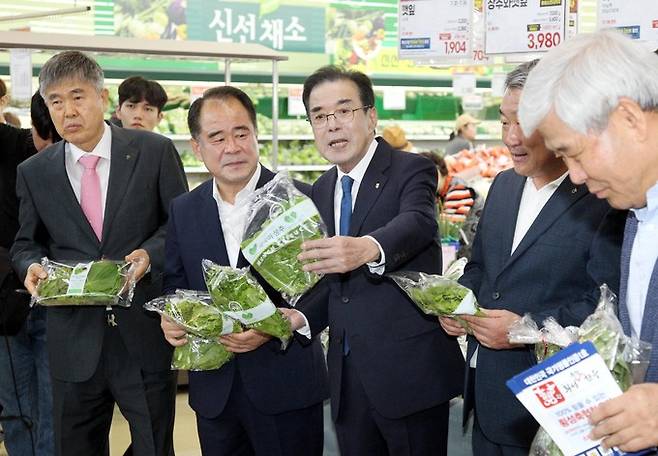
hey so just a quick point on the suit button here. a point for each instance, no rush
(345, 299)
(495, 295)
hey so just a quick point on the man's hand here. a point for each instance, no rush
(244, 342)
(452, 326)
(34, 273)
(294, 316)
(630, 421)
(140, 263)
(491, 330)
(173, 332)
(338, 254)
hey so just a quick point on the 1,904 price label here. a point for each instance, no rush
(454, 47)
(543, 40)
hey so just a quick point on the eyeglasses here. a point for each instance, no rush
(342, 115)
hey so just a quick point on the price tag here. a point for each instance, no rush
(20, 71)
(515, 26)
(463, 84)
(637, 19)
(434, 29)
(395, 98)
(295, 102)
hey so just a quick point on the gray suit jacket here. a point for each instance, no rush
(145, 175)
(649, 330)
(572, 247)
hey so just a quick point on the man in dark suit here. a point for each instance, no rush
(392, 371)
(543, 247)
(611, 145)
(265, 401)
(103, 192)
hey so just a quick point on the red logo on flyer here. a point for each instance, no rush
(548, 394)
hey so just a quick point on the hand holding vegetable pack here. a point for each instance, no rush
(94, 283)
(280, 219)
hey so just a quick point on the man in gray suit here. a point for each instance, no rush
(595, 101)
(543, 246)
(103, 192)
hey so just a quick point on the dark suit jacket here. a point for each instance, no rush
(276, 381)
(404, 359)
(145, 175)
(572, 247)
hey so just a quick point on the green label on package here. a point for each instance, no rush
(253, 315)
(78, 279)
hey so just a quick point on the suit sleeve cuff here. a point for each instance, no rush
(306, 329)
(377, 267)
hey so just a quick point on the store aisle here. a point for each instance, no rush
(187, 443)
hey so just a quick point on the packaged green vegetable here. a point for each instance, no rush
(439, 295)
(200, 354)
(238, 295)
(94, 283)
(194, 311)
(280, 219)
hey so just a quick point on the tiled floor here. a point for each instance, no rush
(187, 444)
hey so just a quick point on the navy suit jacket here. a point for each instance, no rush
(405, 362)
(276, 381)
(572, 248)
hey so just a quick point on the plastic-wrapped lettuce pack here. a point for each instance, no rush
(439, 295)
(626, 358)
(239, 295)
(195, 312)
(280, 219)
(92, 283)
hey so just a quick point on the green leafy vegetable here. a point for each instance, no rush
(200, 354)
(105, 283)
(237, 293)
(280, 219)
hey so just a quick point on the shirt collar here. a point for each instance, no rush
(649, 211)
(360, 169)
(243, 195)
(551, 186)
(103, 149)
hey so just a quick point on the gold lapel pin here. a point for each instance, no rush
(574, 190)
(377, 185)
(128, 156)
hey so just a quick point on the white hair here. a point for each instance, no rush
(583, 79)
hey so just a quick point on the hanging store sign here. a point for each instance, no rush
(434, 29)
(638, 19)
(524, 26)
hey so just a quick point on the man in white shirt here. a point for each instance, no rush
(595, 100)
(392, 371)
(264, 402)
(103, 192)
(543, 246)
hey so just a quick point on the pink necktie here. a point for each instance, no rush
(90, 194)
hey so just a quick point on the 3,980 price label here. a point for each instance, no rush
(541, 40)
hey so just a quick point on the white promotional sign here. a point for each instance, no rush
(434, 29)
(295, 102)
(637, 19)
(524, 26)
(395, 98)
(20, 72)
(463, 84)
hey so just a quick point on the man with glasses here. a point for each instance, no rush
(392, 371)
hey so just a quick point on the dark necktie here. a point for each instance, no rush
(344, 222)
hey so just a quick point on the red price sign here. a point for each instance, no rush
(455, 47)
(541, 40)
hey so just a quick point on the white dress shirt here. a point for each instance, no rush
(532, 202)
(74, 169)
(643, 259)
(357, 174)
(233, 217)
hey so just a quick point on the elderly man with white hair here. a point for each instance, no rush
(594, 99)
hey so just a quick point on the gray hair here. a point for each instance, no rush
(583, 79)
(516, 78)
(68, 65)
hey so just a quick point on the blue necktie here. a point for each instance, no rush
(344, 222)
(345, 205)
